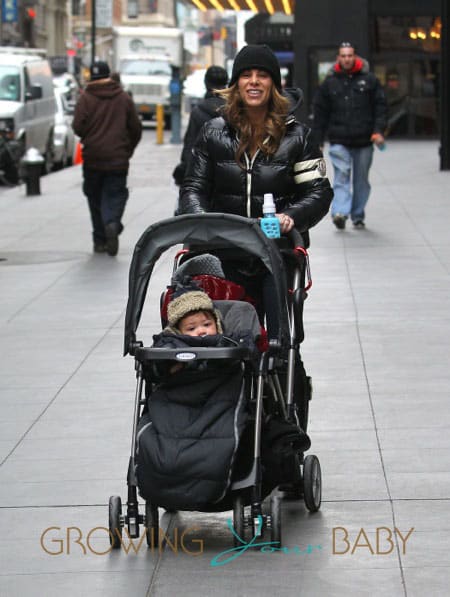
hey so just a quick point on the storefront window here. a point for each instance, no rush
(408, 34)
(406, 54)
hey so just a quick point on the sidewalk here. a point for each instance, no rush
(377, 324)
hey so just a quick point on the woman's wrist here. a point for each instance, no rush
(286, 222)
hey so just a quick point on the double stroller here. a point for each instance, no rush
(229, 429)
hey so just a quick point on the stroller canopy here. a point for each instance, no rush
(209, 231)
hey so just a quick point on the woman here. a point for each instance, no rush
(258, 147)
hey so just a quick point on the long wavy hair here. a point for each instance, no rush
(268, 137)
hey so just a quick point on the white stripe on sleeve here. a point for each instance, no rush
(309, 170)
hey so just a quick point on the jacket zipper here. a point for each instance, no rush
(249, 163)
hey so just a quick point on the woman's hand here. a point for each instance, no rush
(286, 223)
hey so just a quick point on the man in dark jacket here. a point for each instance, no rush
(109, 127)
(351, 107)
(216, 77)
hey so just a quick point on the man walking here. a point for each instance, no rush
(351, 107)
(216, 77)
(109, 127)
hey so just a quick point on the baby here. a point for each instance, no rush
(198, 323)
(192, 313)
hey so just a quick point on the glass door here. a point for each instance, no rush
(411, 84)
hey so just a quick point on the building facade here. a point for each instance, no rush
(123, 12)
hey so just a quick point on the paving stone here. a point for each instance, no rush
(377, 343)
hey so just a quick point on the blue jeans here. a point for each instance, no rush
(107, 194)
(346, 161)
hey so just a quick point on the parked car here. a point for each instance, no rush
(67, 84)
(27, 101)
(64, 140)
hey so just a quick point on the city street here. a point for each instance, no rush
(377, 324)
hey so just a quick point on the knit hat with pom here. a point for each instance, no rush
(188, 302)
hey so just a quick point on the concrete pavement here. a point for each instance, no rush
(377, 344)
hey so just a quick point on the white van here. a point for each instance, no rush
(27, 101)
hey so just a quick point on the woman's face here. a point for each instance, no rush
(255, 87)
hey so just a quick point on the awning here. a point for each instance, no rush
(267, 6)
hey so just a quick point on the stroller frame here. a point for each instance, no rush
(218, 232)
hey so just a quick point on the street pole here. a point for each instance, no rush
(93, 31)
(445, 87)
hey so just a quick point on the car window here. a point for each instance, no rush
(40, 74)
(9, 83)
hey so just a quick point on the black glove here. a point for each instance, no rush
(178, 173)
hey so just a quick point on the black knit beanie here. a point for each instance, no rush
(216, 77)
(260, 57)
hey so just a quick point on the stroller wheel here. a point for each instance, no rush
(152, 524)
(238, 520)
(115, 521)
(275, 520)
(312, 483)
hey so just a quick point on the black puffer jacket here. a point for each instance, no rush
(295, 175)
(350, 106)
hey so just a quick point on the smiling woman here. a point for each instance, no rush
(256, 147)
(259, 149)
(254, 88)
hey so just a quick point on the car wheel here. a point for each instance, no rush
(64, 162)
(19, 152)
(49, 156)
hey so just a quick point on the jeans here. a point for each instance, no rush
(107, 194)
(348, 201)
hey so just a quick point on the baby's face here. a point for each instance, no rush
(201, 323)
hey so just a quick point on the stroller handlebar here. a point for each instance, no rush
(189, 354)
(296, 238)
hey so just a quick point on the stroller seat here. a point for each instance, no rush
(239, 316)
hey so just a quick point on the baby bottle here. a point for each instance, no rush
(269, 222)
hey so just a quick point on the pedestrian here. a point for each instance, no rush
(109, 127)
(215, 78)
(350, 107)
(257, 146)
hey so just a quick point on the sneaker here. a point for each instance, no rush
(112, 239)
(359, 225)
(339, 221)
(99, 248)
